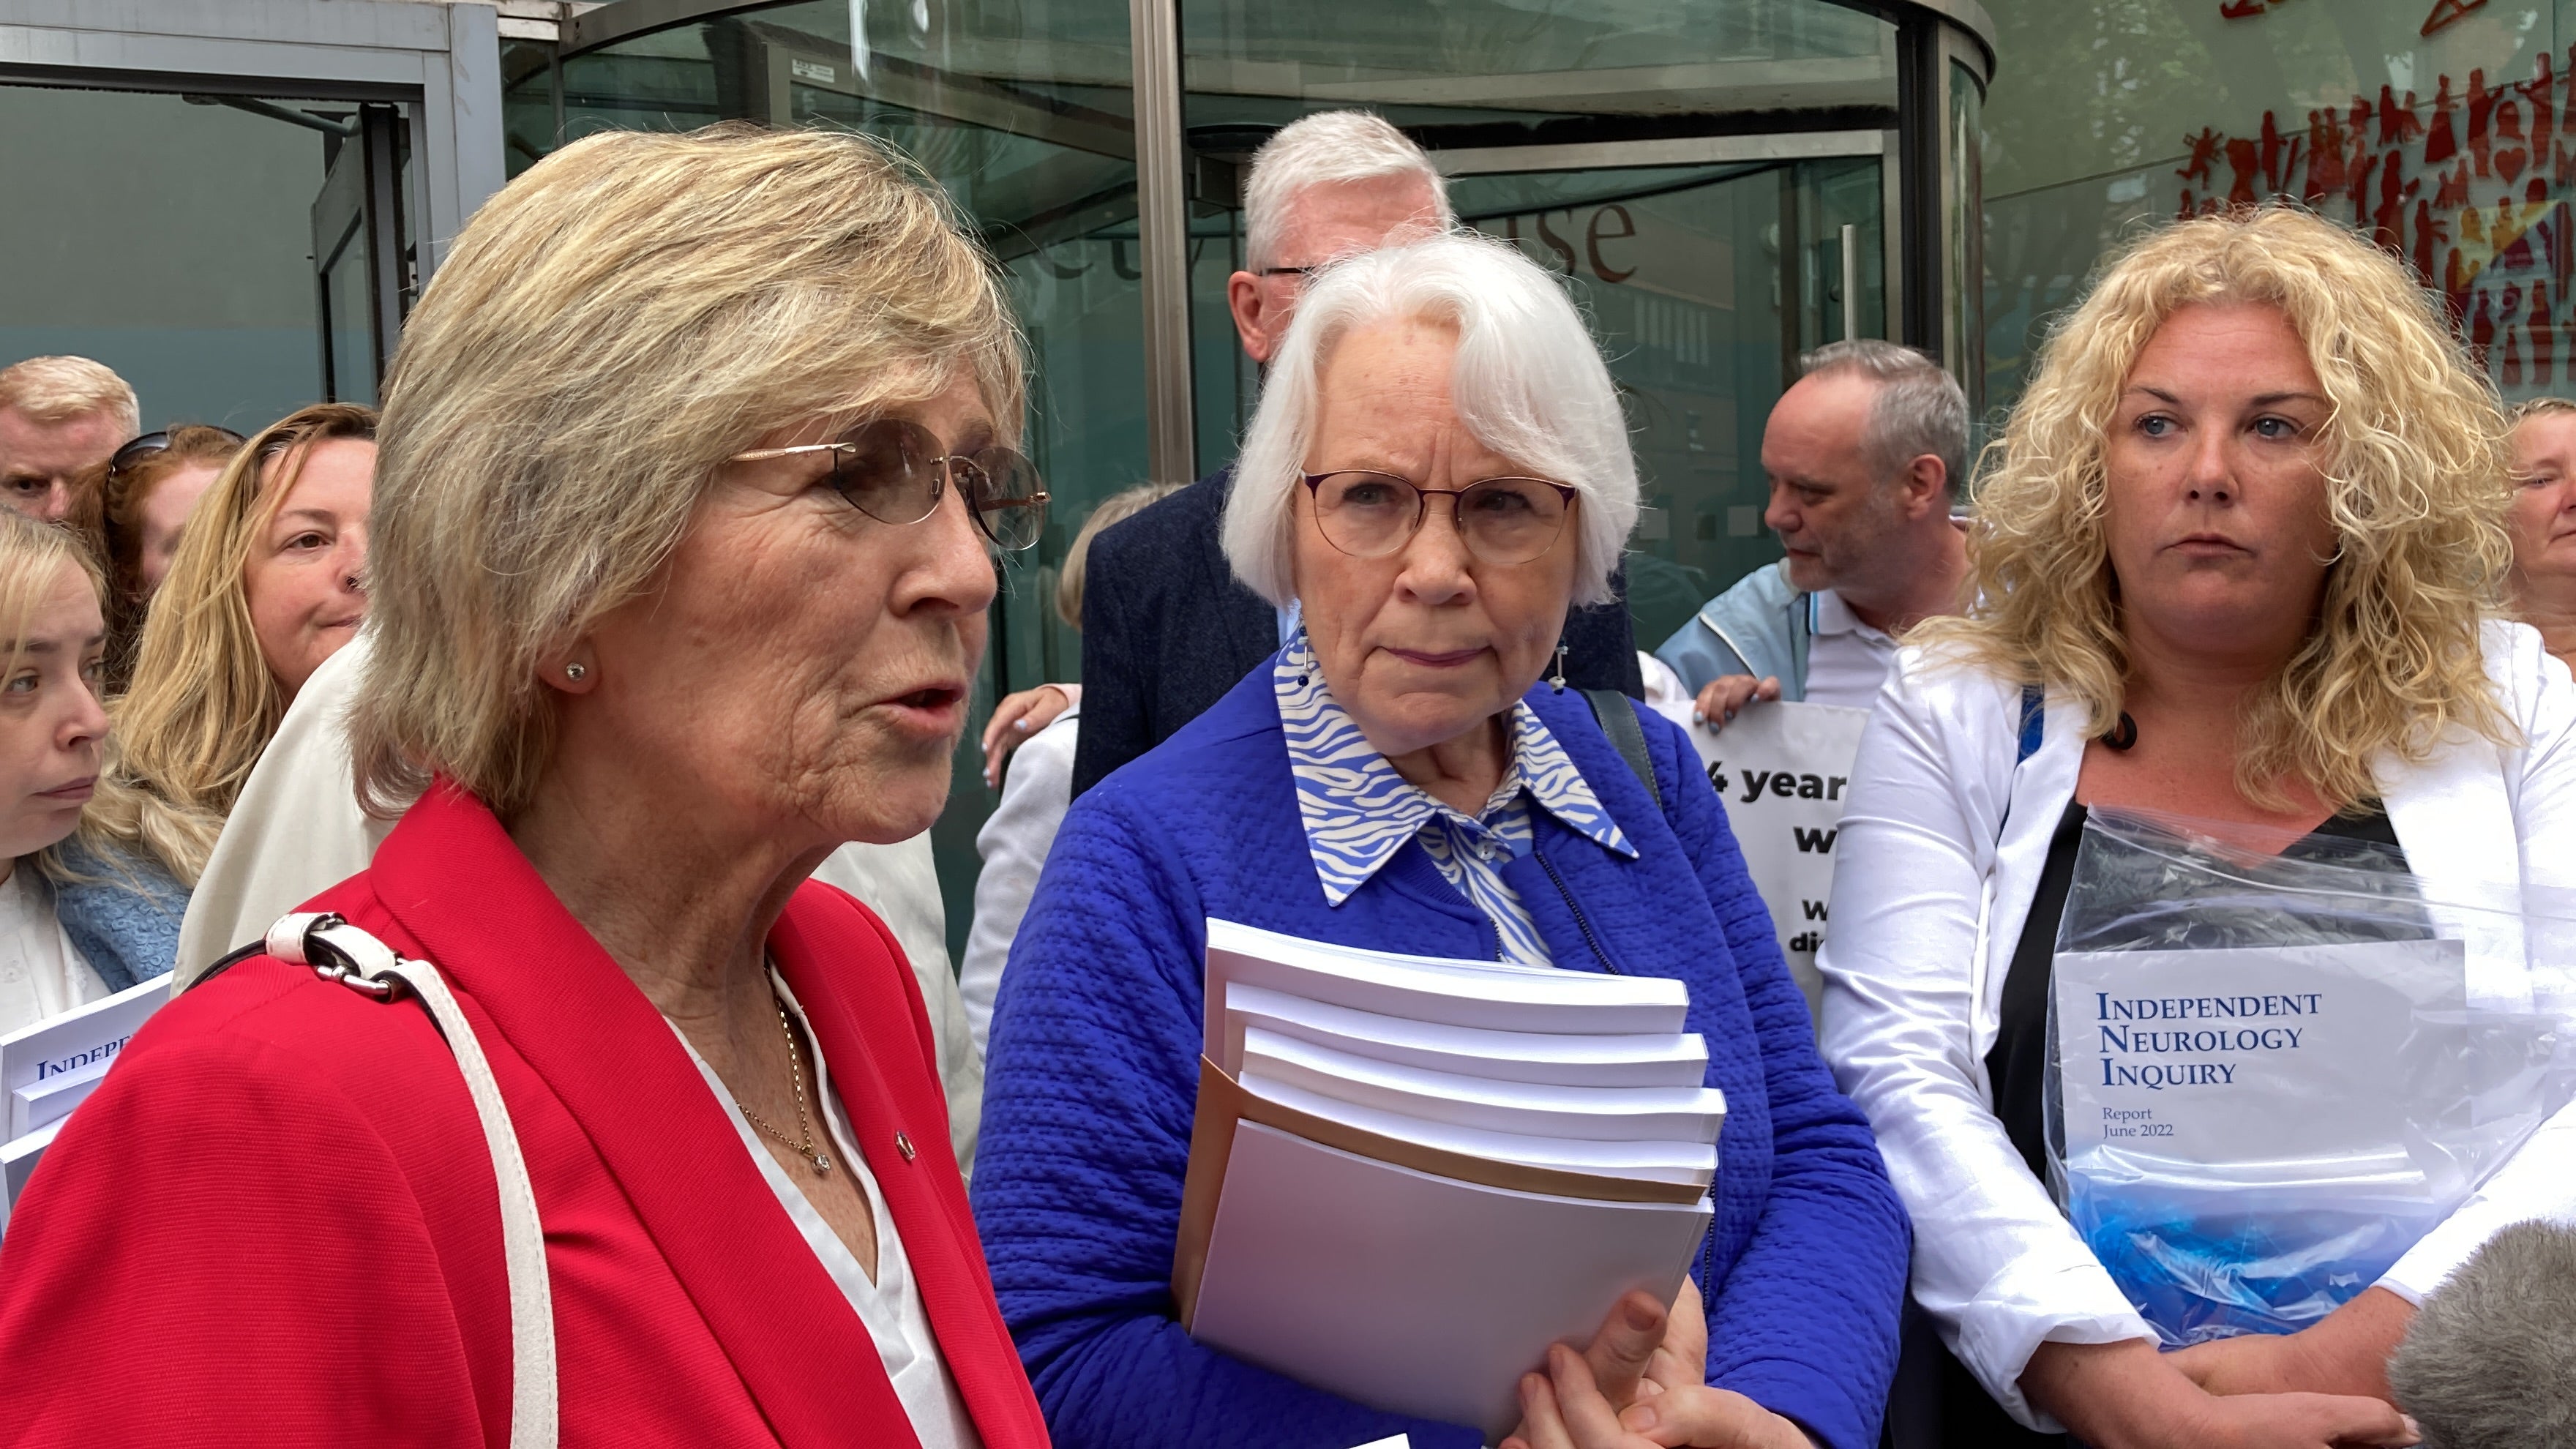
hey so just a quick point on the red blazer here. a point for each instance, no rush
(276, 1223)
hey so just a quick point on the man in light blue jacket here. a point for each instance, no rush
(1866, 454)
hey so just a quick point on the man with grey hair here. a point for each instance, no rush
(59, 418)
(1166, 628)
(1865, 454)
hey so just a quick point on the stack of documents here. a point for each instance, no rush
(48, 1069)
(1409, 1176)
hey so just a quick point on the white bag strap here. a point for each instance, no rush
(338, 951)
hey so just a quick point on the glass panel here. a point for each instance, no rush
(353, 343)
(528, 97)
(1705, 284)
(1961, 250)
(191, 273)
(1023, 112)
(1253, 61)
(2439, 126)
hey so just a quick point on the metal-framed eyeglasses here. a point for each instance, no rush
(892, 471)
(1502, 520)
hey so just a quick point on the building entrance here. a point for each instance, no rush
(1722, 187)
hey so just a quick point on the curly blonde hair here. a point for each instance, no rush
(2414, 462)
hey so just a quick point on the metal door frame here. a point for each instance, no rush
(1929, 34)
(360, 204)
(439, 62)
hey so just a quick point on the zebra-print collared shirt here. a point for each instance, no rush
(1359, 812)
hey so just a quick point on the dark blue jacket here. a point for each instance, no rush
(1167, 630)
(1093, 1075)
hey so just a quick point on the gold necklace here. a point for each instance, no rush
(804, 1119)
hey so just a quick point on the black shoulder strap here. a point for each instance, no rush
(229, 961)
(1619, 721)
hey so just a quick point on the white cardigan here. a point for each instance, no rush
(1939, 856)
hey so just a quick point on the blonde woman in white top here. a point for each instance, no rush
(79, 917)
(2244, 535)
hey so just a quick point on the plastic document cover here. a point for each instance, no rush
(2273, 1073)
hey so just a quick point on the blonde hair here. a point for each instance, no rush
(2413, 458)
(608, 330)
(204, 702)
(58, 389)
(32, 557)
(1118, 507)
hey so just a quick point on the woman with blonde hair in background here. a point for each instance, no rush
(2543, 586)
(268, 582)
(82, 914)
(2238, 554)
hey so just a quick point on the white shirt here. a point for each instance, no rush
(42, 974)
(1847, 660)
(1939, 857)
(897, 1321)
(296, 831)
(1014, 843)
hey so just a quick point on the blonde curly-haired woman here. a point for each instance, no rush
(2245, 534)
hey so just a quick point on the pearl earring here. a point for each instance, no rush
(576, 671)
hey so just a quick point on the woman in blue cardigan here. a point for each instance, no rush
(1438, 470)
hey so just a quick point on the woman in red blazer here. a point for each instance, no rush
(691, 470)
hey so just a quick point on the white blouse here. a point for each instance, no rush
(42, 974)
(891, 1306)
(1939, 857)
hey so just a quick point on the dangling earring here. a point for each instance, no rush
(1556, 681)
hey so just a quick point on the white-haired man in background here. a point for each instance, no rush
(1166, 628)
(59, 418)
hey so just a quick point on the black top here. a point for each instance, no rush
(1167, 630)
(2018, 1063)
(2018, 1067)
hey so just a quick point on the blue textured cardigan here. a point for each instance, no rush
(1093, 1076)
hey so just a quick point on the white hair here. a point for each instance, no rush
(59, 389)
(1528, 383)
(1325, 147)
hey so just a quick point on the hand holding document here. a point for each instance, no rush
(48, 1069)
(1409, 1177)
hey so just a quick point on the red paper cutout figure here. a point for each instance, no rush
(2429, 233)
(2512, 359)
(2455, 189)
(2240, 160)
(2389, 222)
(2240, 9)
(2271, 145)
(2450, 12)
(2540, 93)
(2204, 149)
(2482, 329)
(2359, 189)
(2508, 119)
(2397, 123)
(2544, 334)
(2325, 155)
(2442, 143)
(2481, 106)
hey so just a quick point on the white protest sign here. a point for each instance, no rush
(2269, 1060)
(1784, 771)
